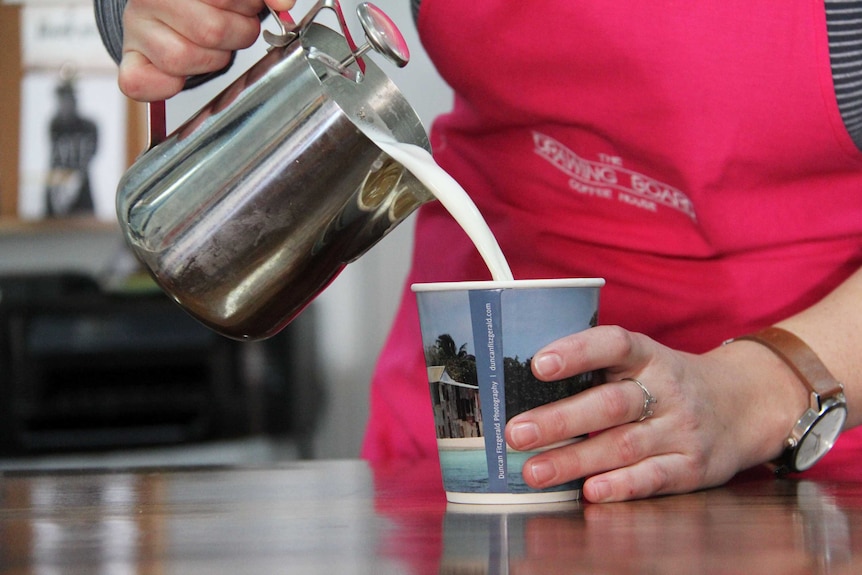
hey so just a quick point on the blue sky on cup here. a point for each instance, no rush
(532, 318)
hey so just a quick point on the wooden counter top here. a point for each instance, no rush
(345, 517)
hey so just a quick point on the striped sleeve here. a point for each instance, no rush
(109, 20)
(844, 27)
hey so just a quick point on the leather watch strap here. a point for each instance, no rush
(799, 357)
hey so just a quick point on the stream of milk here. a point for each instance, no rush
(456, 201)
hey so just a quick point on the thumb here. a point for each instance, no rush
(280, 5)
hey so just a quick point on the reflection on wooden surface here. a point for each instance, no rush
(341, 516)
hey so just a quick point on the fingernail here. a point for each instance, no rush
(547, 364)
(600, 490)
(524, 434)
(543, 471)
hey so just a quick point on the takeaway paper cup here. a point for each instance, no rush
(479, 339)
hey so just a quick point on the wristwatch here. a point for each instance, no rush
(818, 428)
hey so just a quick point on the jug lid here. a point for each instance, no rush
(382, 35)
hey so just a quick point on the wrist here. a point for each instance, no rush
(770, 396)
(821, 421)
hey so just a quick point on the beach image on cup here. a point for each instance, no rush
(479, 339)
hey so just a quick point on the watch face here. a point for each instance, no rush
(818, 439)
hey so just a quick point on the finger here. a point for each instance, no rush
(208, 27)
(198, 23)
(603, 347)
(607, 405)
(251, 7)
(661, 475)
(172, 53)
(279, 5)
(616, 448)
(140, 80)
(246, 7)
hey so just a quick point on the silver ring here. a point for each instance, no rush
(649, 399)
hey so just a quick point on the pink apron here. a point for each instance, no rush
(691, 153)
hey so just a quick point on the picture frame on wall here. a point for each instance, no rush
(74, 131)
(72, 145)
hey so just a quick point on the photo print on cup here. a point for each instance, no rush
(479, 339)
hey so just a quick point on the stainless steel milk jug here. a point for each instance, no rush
(248, 210)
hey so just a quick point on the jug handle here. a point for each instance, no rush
(157, 122)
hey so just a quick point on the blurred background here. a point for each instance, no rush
(97, 367)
